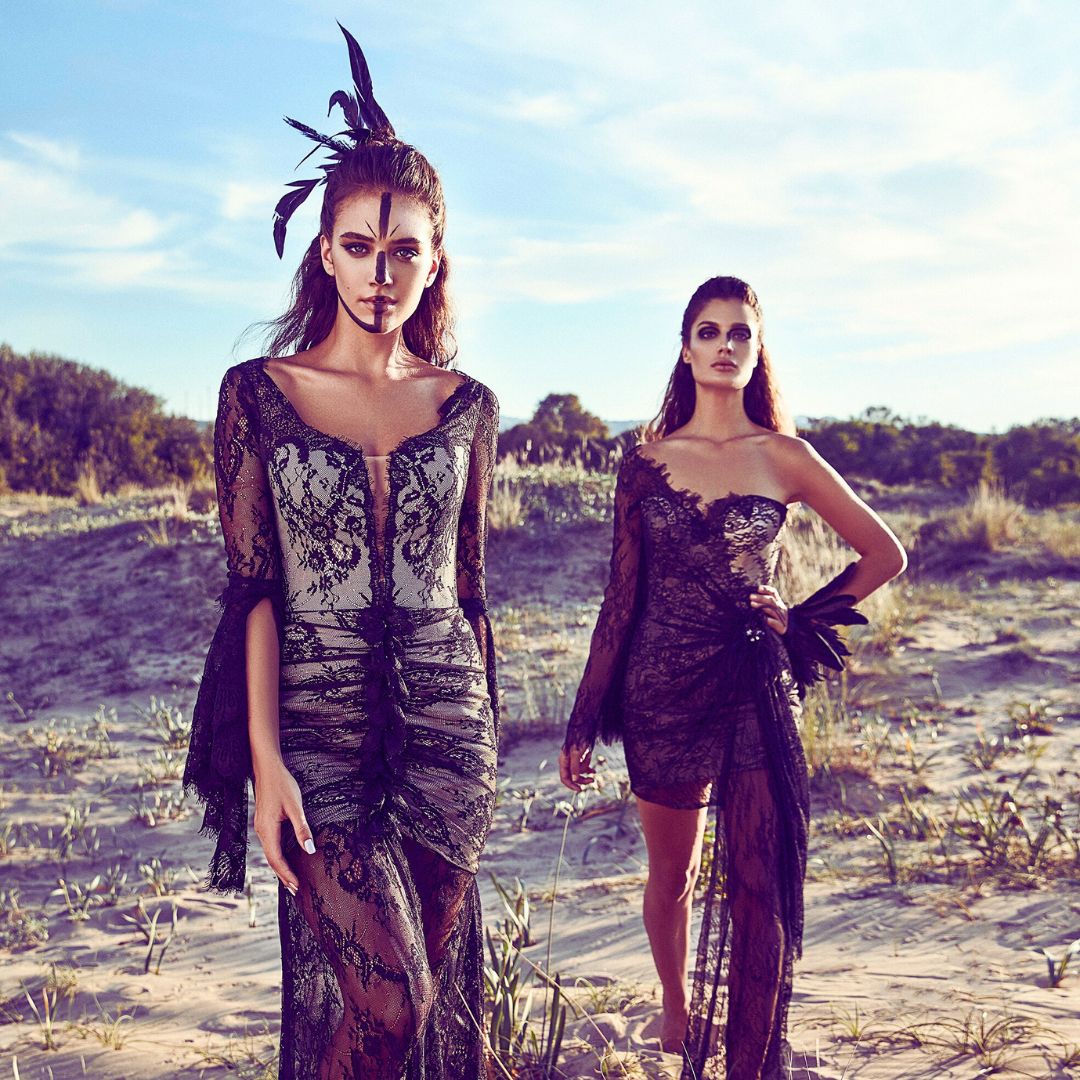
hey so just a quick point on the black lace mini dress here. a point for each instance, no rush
(701, 692)
(388, 722)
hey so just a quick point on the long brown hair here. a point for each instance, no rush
(761, 398)
(383, 163)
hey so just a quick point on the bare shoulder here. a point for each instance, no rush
(789, 451)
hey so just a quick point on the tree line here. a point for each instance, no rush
(1037, 463)
(59, 419)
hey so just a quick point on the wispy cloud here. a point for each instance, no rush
(64, 155)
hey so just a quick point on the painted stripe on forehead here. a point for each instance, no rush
(384, 214)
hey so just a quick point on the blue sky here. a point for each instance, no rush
(897, 180)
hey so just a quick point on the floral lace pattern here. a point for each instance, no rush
(388, 721)
(690, 677)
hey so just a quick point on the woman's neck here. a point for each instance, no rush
(348, 347)
(718, 415)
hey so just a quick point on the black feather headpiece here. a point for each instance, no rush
(363, 119)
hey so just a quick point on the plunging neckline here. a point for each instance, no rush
(443, 409)
(695, 499)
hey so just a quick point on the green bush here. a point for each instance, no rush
(60, 419)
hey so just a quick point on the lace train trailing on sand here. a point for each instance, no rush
(388, 721)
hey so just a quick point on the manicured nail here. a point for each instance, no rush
(292, 888)
(309, 846)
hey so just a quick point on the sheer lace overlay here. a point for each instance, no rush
(388, 721)
(701, 692)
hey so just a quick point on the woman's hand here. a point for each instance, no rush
(278, 799)
(767, 600)
(575, 767)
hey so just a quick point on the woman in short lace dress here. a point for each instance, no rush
(697, 664)
(352, 674)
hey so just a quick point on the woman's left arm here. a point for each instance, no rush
(472, 539)
(810, 479)
(813, 481)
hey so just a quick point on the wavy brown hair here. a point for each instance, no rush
(761, 398)
(383, 163)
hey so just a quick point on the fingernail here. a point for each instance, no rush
(309, 846)
(292, 888)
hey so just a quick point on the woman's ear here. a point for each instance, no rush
(325, 249)
(433, 273)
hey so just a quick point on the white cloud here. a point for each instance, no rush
(55, 208)
(241, 201)
(64, 155)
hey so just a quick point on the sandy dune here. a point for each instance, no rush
(103, 608)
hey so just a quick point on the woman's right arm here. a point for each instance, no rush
(594, 711)
(236, 717)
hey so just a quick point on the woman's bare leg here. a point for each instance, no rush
(673, 841)
(757, 930)
(362, 910)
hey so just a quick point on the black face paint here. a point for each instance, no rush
(381, 303)
(384, 214)
(371, 328)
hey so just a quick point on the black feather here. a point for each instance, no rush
(322, 140)
(287, 204)
(363, 116)
(349, 106)
(370, 111)
(811, 640)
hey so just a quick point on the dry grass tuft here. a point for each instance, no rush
(87, 488)
(990, 520)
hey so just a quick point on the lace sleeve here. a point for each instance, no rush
(597, 709)
(472, 539)
(219, 755)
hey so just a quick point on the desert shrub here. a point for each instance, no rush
(70, 429)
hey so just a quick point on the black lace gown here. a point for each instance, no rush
(388, 721)
(700, 690)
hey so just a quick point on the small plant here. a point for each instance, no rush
(102, 890)
(147, 926)
(158, 879)
(63, 980)
(251, 1057)
(882, 833)
(156, 533)
(985, 751)
(19, 928)
(1032, 718)
(45, 1016)
(159, 807)
(167, 766)
(109, 1031)
(1056, 966)
(605, 997)
(167, 723)
(76, 830)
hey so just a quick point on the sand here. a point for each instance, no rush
(107, 607)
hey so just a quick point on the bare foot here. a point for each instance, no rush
(673, 1029)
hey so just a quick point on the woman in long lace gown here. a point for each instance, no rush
(352, 673)
(697, 664)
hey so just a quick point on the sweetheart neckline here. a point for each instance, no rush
(351, 443)
(696, 499)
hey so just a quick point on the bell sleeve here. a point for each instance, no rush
(597, 711)
(472, 541)
(219, 754)
(811, 639)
